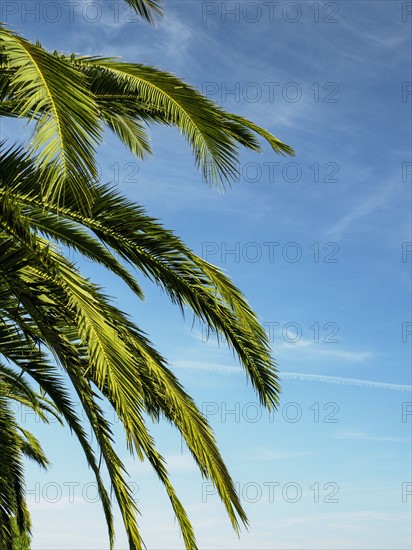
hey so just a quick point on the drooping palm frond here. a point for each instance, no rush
(162, 97)
(14, 386)
(69, 96)
(160, 255)
(147, 9)
(59, 328)
(97, 344)
(131, 93)
(41, 325)
(12, 501)
(69, 356)
(46, 329)
(16, 443)
(117, 352)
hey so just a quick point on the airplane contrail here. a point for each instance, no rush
(347, 381)
(224, 369)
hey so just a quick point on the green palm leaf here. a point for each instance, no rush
(16, 443)
(146, 93)
(52, 93)
(147, 9)
(59, 328)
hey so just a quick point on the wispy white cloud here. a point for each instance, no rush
(213, 367)
(180, 463)
(363, 436)
(335, 521)
(378, 198)
(269, 455)
(175, 463)
(177, 35)
(311, 347)
(57, 502)
(386, 37)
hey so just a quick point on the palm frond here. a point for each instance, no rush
(53, 95)
(147, 9)
(60, 329)
(146, 93)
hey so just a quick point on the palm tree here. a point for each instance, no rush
(16, 443)
(53, 318)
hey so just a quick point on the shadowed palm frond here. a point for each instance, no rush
(98, 345)
(16, 443)
(147, 9)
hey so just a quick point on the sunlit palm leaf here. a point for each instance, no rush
(52, 93)
(146, 93)
(48, 310)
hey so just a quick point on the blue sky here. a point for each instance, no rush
(321, 246)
